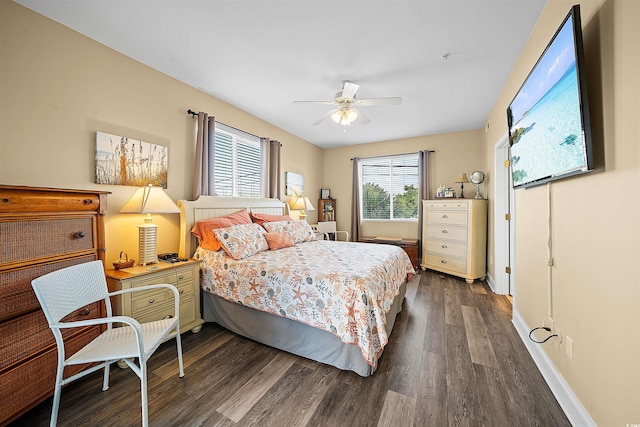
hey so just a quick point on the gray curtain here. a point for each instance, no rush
(271, 184)
(355, 202)
(423, 190)
(203, 171)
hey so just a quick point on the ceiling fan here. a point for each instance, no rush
(345, 102)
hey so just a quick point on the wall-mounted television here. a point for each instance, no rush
(549, 127)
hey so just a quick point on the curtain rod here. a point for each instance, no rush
(390, 155)
(194, 114)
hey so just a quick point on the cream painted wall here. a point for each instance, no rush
(454, 153)
(57, 88)
(595, 229)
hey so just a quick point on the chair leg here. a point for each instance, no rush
(56, 396)
(179, 345)
(143, 393)
(105, 380)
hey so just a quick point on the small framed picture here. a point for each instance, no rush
(324, 193)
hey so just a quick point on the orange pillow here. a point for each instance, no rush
(203, 230)
(279, 240)
(261, 218)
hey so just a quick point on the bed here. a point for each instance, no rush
(332, 302)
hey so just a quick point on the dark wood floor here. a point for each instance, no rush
(453, 359)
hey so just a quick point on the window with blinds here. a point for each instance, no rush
(389, 187)
(237, 165)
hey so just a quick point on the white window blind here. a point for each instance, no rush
(389, 187)
(238, 163)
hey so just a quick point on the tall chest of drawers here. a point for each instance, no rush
(41, 230)
(454, 237)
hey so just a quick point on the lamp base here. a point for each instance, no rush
(148, 243)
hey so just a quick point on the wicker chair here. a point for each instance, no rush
(66, 290)
(328, 228)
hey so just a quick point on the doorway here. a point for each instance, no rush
(504, 229)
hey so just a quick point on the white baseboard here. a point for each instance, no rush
(569, 402)
(491, 283)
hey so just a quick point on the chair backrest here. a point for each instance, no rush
(66, 290)
(327, 227)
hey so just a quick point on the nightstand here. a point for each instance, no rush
(147, 306)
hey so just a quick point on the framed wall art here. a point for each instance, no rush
(125, 161)
(294, 184)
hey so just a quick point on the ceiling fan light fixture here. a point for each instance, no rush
(344, 117)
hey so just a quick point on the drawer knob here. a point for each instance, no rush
(151, 301)
(79, 234)
(444, 246)
(444, 232)
(87, 201)
(181, 277)
(86, 311)
(182, 291)
(168, 316)
(5, 200)
(445, 216)
(444, 261)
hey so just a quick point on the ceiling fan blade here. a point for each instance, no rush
(367, 102)
(325, 116)
(349, 89)
(362, 118)
(315, 102)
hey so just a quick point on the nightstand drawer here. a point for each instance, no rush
(147, 300)
(162, 311)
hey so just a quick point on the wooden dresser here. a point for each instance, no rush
(454, 237)
(41, 230)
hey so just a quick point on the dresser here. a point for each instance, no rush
(41, 230)
(454, 237)
(147, 306)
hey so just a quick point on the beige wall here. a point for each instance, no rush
(595, 229)
(453, 154)
(58, 88)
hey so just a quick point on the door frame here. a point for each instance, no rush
(504, 230)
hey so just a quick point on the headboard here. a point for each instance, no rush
(206, 207)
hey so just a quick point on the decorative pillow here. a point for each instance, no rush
(203, 230)
(261, 218)
(279, 240)
(299, 230)
(242, 241)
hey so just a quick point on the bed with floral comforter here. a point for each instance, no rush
(346, 289)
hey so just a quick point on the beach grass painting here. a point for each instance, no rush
(125, 161)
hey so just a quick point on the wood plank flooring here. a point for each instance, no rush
(453, 359)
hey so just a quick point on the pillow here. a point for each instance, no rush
(261, 218)
(279, 240)
(299, 230)
(203, 230)
(242, 240)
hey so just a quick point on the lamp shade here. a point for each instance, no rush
(462, 178)
(148, 200)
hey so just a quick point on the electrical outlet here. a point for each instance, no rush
(548, 323)
(568, 348)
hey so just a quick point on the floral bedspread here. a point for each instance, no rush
(345, 288)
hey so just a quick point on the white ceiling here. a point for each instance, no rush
(260, 56)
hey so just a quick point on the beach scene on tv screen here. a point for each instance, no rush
(546, 127)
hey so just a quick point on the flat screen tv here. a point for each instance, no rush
(549, 128)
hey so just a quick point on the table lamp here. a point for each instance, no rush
(301, 204)
(148, 200)
(462, 179)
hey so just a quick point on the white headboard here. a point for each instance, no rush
(212, 207)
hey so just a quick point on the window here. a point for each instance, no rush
(237, 166)
(389, 187)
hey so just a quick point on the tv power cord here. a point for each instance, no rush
(544, 340)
